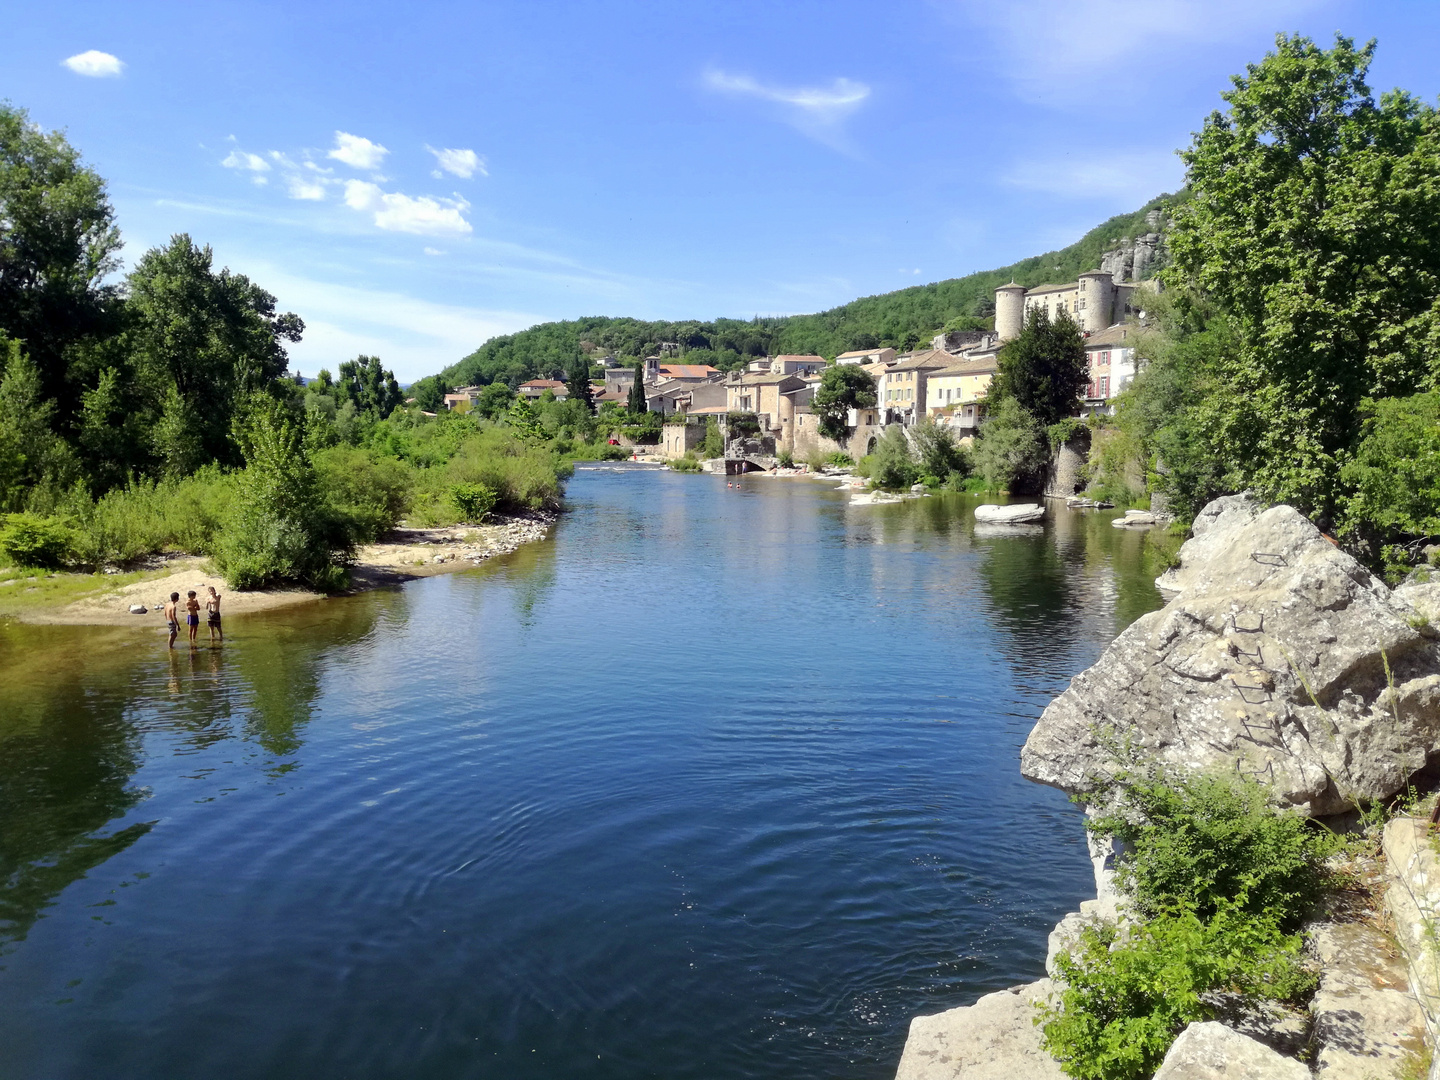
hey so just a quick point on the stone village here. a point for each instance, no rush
(769, 403)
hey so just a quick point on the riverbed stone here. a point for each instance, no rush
(1010, 514)
(1270, 660)
(1211, 1051)
(994, 1039)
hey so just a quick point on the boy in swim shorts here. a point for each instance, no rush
(172, 616)
(192, 615)
(212, 605)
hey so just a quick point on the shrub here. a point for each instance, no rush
(839, 460)
(785, 459)
(891, 467)
(369, 493)
(31, 540)
(1062, 431)
(1011, 449)
(1125, 1001)
(688, 463)
(1205, 842)
(473, 502)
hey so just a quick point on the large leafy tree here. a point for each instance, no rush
(577, 385)
(58, 241)
(209, 337)
(365, 382)
(1043, 368)
(1315, 225)
(842, 388)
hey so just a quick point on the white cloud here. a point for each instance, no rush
(357, 152)
(304, 188)
(1135, 176)
(461, 163)
(1054, 51)
(433, 251)
(816, 111)
(395, 212)
(95, 64)
(413, 337)
(239, 159)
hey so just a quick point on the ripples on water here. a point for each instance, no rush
(716, 783)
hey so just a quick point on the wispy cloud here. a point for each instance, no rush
(95, 64)
(396, 212)
(1135, 175)
(1054, 51)
(357, 152)
(461, 163)
(816, 111)
(254, 164)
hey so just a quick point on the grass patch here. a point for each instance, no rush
(33, 591)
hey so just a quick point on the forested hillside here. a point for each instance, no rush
(900, 319)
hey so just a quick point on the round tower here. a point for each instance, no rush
(1097, 300)
(1009, 311)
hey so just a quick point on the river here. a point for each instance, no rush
(715, 783)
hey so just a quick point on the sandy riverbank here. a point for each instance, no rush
(404, 554)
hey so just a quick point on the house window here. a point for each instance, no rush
(1104, 386)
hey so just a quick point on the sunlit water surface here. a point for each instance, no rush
(714, 783)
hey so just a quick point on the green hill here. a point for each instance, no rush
(899, 319)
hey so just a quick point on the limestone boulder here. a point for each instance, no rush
(1279, 656)
(1012, 514)
(994, 1039)
(1367, 1023)
(1211, 1051)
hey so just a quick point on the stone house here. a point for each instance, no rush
(687, 373)
(619, 380)
(533, 389)
(955, 395)
(867, 356)
(791, 364)
(902, 389)
(1111, 355)
(763, 394)
(463, 399)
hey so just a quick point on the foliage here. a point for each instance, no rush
(366, 384)
(1064, 431)
(1011, 451)
(1043, 368)
(280, 529)
(688, 463)
(1124, 1002)
(785, 459)
(1217, 882)
(636, 401)
(473, 502)
(1393, 480)
(742, 425)
(58, 243)
(940, 456)
(577, 385)
(148, 516)
(714, 444)
(1207, 842)
(839, 460)
(30, 540)
(891, 466)
(842, 388)
(1315, 227)
(366, 491)
(494, 401)
(31, 454)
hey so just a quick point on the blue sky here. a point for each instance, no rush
(412, 179)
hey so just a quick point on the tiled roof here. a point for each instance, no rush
(543, 384)
(763, 379)
(967, 367)
(809, 358)
(930, 358)
(688, 371)
(1112, 336)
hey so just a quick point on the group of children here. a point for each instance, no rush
(192, 615)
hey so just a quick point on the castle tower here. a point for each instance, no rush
(1009, 311)
(1097, 300)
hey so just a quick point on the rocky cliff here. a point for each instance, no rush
(1279, 656)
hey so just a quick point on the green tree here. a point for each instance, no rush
(110, 435)
(30, 452)
(58, 241)
(636, 403)
(212, 337)
(891, 465)
(365, 382)
(577, 385)
(281, 529)
(1012, 449)
(495, 400)
(1315, 225)
(842, 388)
(1044, 368)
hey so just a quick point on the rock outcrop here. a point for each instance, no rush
(994, 1039)
(1211, 1051)
(1279, 657)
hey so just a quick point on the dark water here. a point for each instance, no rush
(714, 784)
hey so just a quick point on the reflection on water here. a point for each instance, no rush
(719, 782)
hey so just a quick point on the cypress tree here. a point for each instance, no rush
(636, 404)
(578, 385)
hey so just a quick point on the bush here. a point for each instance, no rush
(891, 467)
(1125, 1001)
(839, 460)
(1062, 431)
(1011, 451)
(1205, 842)
(688, 463)
(369, 493)
(1394, 480)
(31, 540)
(785, 459)
(473, 502)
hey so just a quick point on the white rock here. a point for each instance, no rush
(1211, 1051)
(994, 1039)
(1013, 514)
(138, 609)
(1367, 1023)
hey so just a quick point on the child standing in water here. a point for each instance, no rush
(212, 605)
(172, 616)
(192, 615)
